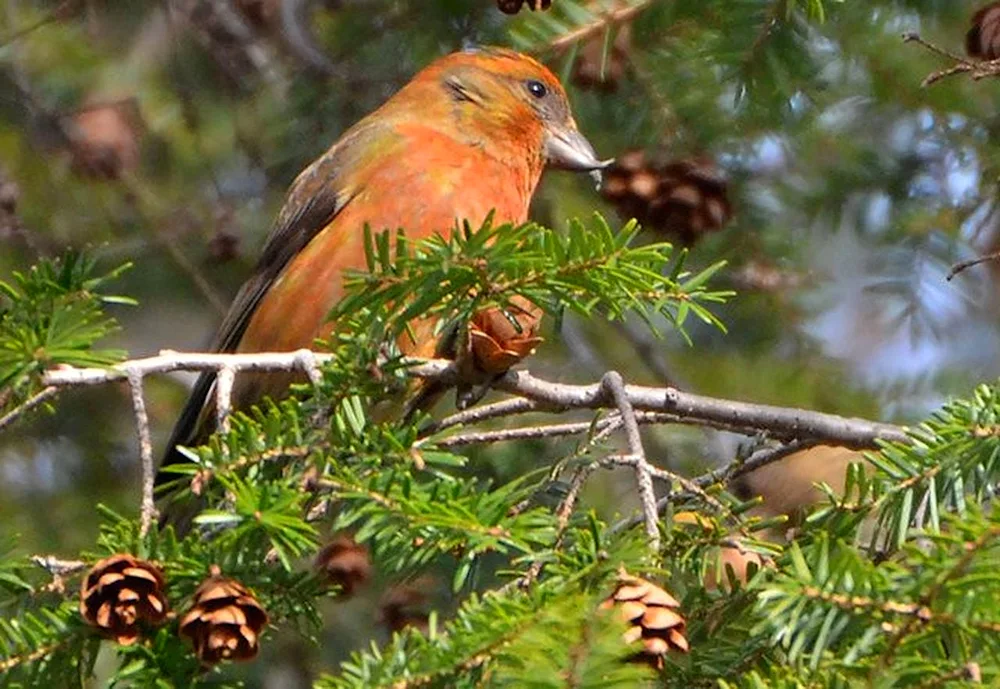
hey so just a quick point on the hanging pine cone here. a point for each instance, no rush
(260, 13)
(496, 342)
(587, 72)
(983, 39)
(652, 612)
(224, 246)
(514, 6)
(225, 242)
(120, 595)
(345, 563)
(225, 620)
(684, 198)
(10, 194)
(106, 139)
(405, 605)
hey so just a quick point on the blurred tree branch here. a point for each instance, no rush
(607, 20)
(977, 69)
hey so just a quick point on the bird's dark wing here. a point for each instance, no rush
(315, 198)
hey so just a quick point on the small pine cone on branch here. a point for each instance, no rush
(261, 14)
(405, 605)
(346, 563)
(225, 242)
(224, 621)
(514, 6)
(122, 594)
(10, 194)
(106, 139)
(587, 70)
(685, 198)
(983, 39)
(653, 616)
(497, 343)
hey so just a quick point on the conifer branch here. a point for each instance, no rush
(672, 405)
(566, 506)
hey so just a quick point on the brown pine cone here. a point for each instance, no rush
(224, 246)
(225, 242)
(10, 194)
(983, 39)
(514, 6)
(405, 605)
(685, 198)
(120, 595)
(587, 71)
(224, 621)
(345, 563)
(653, 614)
(496, 343)
(106, 139)
(260, 13)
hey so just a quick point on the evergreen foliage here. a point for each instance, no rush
(890, 582)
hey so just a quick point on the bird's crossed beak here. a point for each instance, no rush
(567, 149)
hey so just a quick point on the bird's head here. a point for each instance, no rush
(496, 97)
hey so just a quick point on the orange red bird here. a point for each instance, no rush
(469, 135)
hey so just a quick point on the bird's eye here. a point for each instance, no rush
(537, 89)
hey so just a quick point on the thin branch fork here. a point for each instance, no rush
(614, 387)
(977, 69)
(962, 266)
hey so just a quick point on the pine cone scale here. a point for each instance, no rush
(677, 638)
(660, 618)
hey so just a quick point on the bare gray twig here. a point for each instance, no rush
(511, 407)
(148, 512)
(35, 400)
(965, 265)
(507, 434)
(614, 386)
(758, 459)
(56, 566)
(224, 397)
(976, 69)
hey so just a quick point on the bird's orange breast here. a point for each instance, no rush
(433, 182)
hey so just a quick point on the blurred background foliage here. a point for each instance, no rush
(791, 139)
